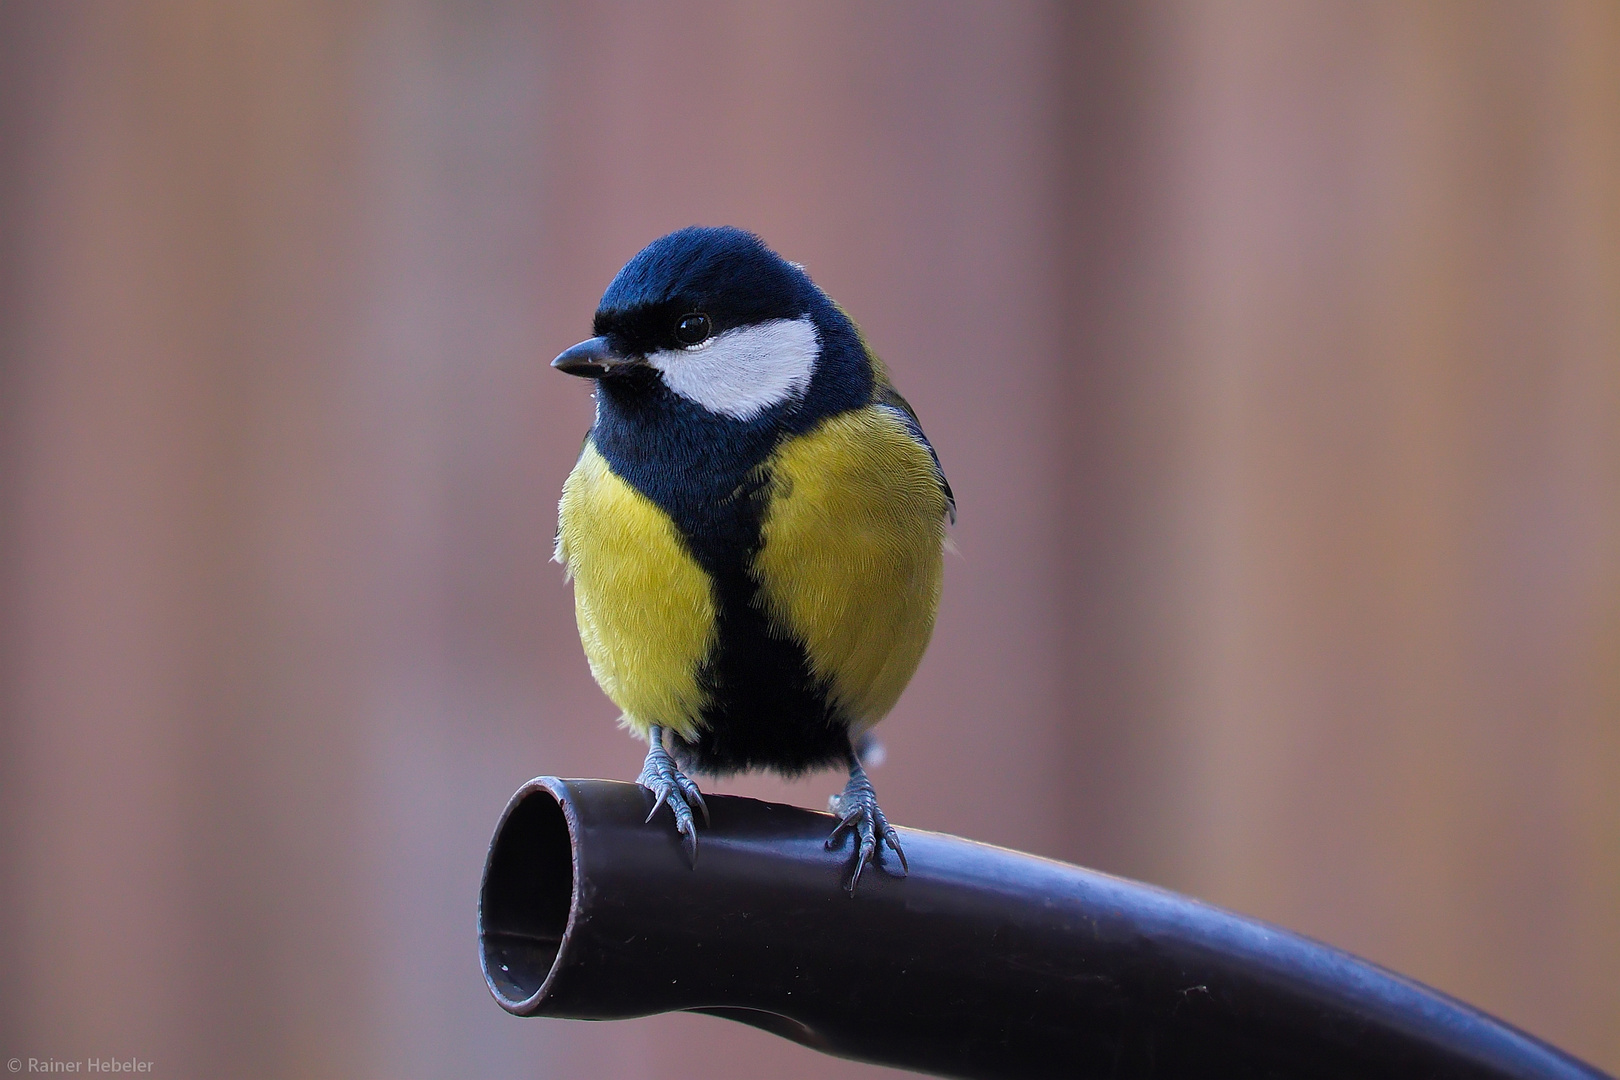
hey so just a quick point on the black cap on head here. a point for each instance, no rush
(723, 273)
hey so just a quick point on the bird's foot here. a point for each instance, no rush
(675, 789)
(859, 815)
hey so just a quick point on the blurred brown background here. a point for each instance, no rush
(1273, 350)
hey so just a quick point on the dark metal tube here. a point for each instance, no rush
(982, 962)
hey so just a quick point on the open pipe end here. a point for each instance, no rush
(526, 907)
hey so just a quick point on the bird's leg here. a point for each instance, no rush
(670, 786)
(859, 815)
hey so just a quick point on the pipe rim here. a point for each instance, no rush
(554, 792)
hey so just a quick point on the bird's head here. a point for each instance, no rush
(714, 316)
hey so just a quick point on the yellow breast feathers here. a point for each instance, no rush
(645, 608)
(852, 557)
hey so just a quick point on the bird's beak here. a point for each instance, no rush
(590, 359)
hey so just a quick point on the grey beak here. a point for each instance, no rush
(590, 359)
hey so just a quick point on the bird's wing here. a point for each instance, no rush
(889, 398)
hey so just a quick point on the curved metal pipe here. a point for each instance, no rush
(982, 962)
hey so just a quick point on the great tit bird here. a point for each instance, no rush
(754, 528)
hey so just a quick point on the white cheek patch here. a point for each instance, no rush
(745, 371)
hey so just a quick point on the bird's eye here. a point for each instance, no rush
(692, 329)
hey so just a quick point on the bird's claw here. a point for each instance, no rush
(673, 788)
(860, 816)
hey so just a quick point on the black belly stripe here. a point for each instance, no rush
(767, 708)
